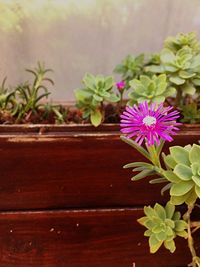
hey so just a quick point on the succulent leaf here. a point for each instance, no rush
(163, 225)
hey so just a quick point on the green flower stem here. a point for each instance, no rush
(154, 156)
(195, 260)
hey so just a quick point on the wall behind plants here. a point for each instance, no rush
(75, 36)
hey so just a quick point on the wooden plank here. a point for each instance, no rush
(73, 170)
(89, 238)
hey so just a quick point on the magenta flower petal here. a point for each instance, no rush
(151, 123)
(120, 85)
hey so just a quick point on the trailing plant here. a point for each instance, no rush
(180, 170)
(90, 99)
(152, 90)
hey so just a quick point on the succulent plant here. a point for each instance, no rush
(163, 225)
(152, 90)
(130, 68)
(90, 99)
(180, 61)
(183, 172)
(28, 94)
(7, 100)
(181, 40)
(191, 113)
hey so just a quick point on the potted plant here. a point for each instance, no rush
(76, 170)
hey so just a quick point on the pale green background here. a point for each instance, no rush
(78, 36)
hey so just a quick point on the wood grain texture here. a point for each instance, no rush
(63, 168)
(87, 238)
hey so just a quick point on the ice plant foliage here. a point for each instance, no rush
(180, 170)
(149, 122)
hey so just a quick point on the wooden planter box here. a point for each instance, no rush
(65, 199)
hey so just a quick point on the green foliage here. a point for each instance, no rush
(152, 90)
(191, 113)
(131, 67)
(7, 101)
(180, 61)
(29, 95)
(163, 225)
(183, 173)
(181, 40)
(90, 99)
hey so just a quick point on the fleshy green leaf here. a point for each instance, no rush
(176, 80)
(172, 177)
(180, 155)
(194, 154)
(160, 211)
(197, 190)
(181, 188)
(183, 172)
(196, 179)
(169, 161)
(142, 174)
(170, 245)
(96, 118)
(154, 244)
(169, 209)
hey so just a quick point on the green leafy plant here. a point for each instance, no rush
(181, 40)
(6, 97)
(91, 98)
(29, 95)
(179, 171)
(180, 61)
(131, 67)
(163, 225)
(191, 113)
(183, 164)
(152, 90)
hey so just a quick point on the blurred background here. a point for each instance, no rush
(77, 36)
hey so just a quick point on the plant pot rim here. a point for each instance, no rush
(43, 129)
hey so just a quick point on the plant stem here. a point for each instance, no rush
(154, 156)
(194, 262)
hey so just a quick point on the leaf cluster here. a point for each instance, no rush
(180, 61)
(151, 89)
(130, 68)
(90, 98)
(183, 164)
(163, 225)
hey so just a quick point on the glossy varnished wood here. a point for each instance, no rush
(81, 238)
(62, 167)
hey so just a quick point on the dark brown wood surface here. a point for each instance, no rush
(63, 169)
(87, 238)
(66, 201)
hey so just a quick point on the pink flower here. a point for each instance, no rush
(149, 122)
(120, 85)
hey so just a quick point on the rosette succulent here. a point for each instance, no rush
(181, 40)
(130, 68)
(180, 61)
(152, 90)
(163, 225)
(183, 172)
(97, 89)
